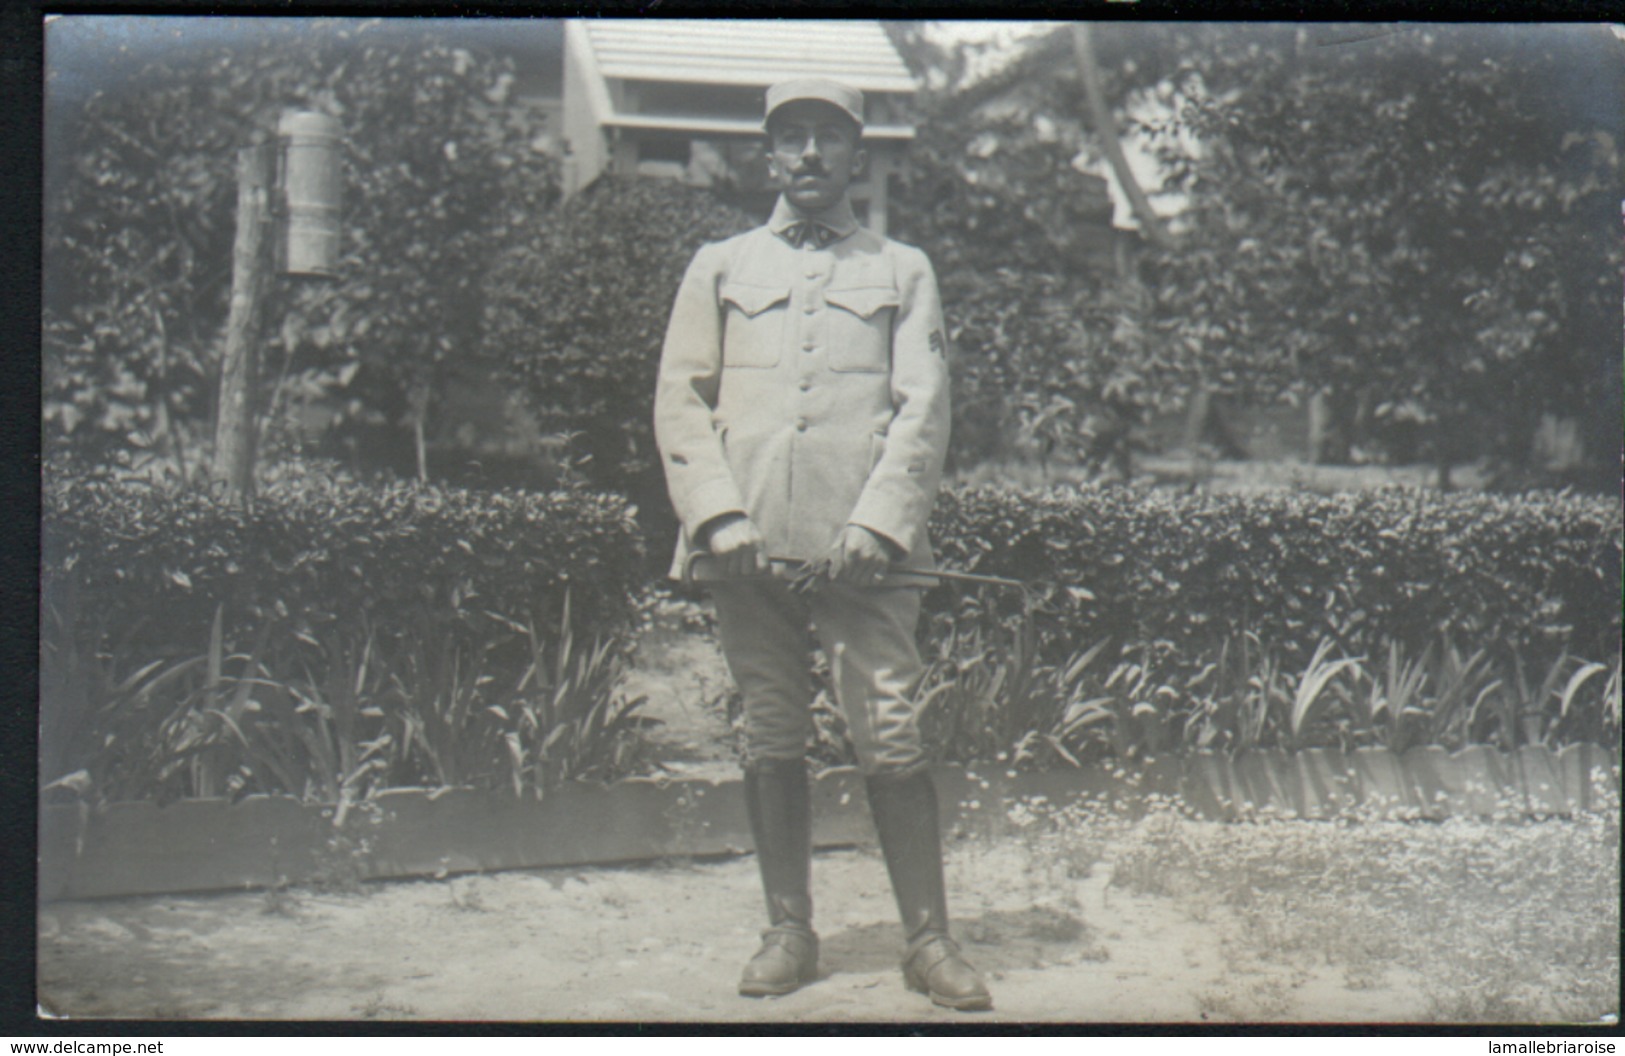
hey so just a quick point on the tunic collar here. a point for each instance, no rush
(838, 218)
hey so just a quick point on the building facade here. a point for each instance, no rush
(682, 99)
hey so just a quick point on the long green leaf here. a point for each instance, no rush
(1077, 666)
(1314, 681)
(1576, 680)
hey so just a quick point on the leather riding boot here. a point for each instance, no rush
(905, 813)
(778, 803)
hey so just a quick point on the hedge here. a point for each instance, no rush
(334, 639)
(313, 551)
(1537, 572)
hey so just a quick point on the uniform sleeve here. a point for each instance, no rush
(896, 502)
(697, 474)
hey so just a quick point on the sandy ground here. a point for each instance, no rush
(664, 943)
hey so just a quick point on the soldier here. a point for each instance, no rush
(802, 413)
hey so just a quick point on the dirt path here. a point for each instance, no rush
(665, 943)
(680, 673)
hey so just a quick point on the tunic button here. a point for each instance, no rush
(811, 309)
(804, 384)
(808, 347)
(812, 274)
(801, 425)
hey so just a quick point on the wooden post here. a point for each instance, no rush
(234, 439)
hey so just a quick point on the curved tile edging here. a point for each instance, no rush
(204, 845)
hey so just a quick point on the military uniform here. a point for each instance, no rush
(804, 385)
(807, 387)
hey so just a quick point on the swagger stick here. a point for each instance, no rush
(701, 568)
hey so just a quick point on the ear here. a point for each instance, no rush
(860, 163)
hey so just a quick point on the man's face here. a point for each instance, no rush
(813, 153)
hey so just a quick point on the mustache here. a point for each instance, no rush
(809, 170)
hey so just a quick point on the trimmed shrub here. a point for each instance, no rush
(1170, 621)
(1537, 573)
(312, 551)
(334, 639)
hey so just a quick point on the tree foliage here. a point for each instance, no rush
(440, 171)
(1421, 213)
(1424, 215)
(576, 314)
(995, 188)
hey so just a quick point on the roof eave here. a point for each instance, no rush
(747, 79)
(727, 127)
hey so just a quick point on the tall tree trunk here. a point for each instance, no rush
(1105, 125)
(418, 399)
(1100, 115)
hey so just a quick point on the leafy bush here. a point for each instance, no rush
(1405, 226)
(1049, 364)
(333, 638)
(1285, 620)
(312, 551)
(577, 318)
(1537, 573)
(1165, 622)
(1050, 356)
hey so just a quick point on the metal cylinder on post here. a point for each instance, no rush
(310, 183)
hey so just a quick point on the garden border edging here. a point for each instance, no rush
(209, 845)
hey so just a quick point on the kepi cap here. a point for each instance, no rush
(843, 97)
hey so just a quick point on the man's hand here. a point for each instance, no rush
(861, 557)
(737, 545)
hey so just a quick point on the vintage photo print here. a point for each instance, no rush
(830, 521)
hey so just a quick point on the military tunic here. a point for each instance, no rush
(806, 386)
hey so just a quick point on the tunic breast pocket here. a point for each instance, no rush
(753, 332)
(860, 325)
